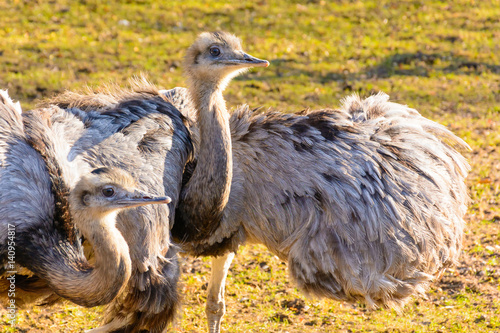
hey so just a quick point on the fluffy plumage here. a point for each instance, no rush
(136, 130)
(372, 180)
(365, 203)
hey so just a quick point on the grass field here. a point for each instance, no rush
(440, 57)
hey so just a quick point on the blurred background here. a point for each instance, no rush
(439, 57)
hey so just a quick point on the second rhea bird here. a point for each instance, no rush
(365, 203)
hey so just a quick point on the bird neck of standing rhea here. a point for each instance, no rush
(112, 267)
(211, 180)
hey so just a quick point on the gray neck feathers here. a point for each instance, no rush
(209, 187)
(70, 275)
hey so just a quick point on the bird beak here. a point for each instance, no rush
(241, 59)
(142, 199)
(254, 62)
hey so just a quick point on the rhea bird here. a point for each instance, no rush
(47, 256)
(94, 204)
(365, 203)
(134, 129)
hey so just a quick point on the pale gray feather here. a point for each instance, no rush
(365, 202)
(140, 132)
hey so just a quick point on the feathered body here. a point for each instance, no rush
(365, 203)
(26, 206)
(140, 132)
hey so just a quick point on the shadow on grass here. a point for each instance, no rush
(422, 64)
(418, 64)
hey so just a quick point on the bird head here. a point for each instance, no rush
(218, 56)
(109, 189)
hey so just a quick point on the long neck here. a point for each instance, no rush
(99, 285)
(206, 194)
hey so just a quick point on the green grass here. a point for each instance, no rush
(440, 57)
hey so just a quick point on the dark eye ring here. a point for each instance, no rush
(214, 51)
(108, 192)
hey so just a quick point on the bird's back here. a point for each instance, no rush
(27, 210)
(25, 196)
(365, 202)
(372, 194)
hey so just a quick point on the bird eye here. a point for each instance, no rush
(108, 192)
(214, 51)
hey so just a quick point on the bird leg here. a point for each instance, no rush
(216, 307)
